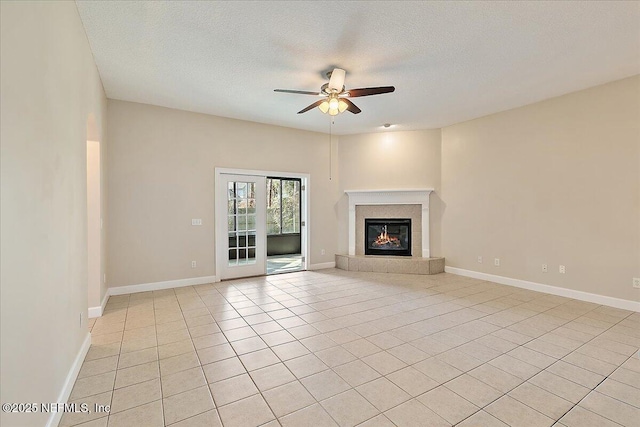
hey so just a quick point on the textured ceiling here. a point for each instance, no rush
(449, 61)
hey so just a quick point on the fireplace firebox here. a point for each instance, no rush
(387, 236)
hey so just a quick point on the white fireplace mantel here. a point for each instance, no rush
(390, 197)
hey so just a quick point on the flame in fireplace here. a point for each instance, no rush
(385, 240)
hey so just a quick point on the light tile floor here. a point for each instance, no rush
(331, 347)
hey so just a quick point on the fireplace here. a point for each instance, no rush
(387, 236)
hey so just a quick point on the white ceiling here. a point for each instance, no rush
(449, 61)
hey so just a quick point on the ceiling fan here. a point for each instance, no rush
(335, 98)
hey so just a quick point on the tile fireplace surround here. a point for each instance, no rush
(383, 204)
(412, 212)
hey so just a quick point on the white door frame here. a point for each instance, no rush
(305, 231)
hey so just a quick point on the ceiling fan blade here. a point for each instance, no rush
(353, 93)
(311, 107)
(336, 82)
(301, 92)
(351, 106)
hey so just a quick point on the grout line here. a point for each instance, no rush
(113, 391)
(155, 328)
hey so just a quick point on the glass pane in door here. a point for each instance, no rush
(290, 206)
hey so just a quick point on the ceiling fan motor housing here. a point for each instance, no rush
(325, 89)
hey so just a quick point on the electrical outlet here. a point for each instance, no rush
(322, 251)
(496, 262)
(196, 221)
(636, 282)
(562, 269)
(480, 259)
(193, 264)
(545, 268)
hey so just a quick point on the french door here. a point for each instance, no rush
(243, 232)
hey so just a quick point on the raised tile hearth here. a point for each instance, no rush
(390, 264)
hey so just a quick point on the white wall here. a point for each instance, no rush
(49, 86)
(161, 175)
(556, 182)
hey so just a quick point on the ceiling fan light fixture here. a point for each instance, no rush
(333, 105)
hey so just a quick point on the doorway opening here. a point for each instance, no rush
(284, 241)
(94, 229)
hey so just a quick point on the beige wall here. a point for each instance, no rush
(391, 160)
(556, 182)
(161, 175)
(49, 86)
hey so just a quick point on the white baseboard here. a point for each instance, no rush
(55, 417)
(97, 311)
(156, 286)
(553, 290)
(322, 266)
